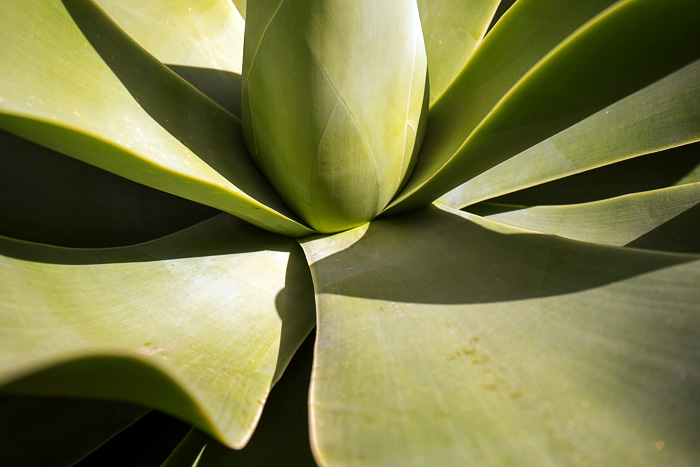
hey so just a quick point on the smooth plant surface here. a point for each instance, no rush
(489, 212)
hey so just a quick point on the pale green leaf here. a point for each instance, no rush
(617, 221)
(452, 29)
(199, 324)
(670, 167)
(282, 436)
(74, 82)
(662, 115)
(205, 33)
(58, 431)
(447, 339)
(545, 66)
(335, 144)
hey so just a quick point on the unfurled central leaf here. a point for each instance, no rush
(334, 103)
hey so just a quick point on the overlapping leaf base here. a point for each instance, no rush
(554, 323)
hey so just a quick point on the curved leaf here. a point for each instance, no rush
(452, 29)
(46, 197)
(617, 221)
(670, 167)
(662, 115)
(282, 436)
(528, 81)
(336, 145)
(206, 34)
(469, 342)
(75, 83)
(199, 324)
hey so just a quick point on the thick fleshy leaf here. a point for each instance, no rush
(675, 166)
(452, 29)
(58, 431)
(448, 339)
(74, 82)
(334, 103)
(664, 114)
(199, 324)
(282, 436)
(46, 197)
(205, 34)
(545, 66)
(617, 221)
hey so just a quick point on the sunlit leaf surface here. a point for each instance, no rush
(662, 115)
(452, 29)
(199, 324)
(205, 34)
(544, 67)
(620, 221)
(514, 348)
(103, 100)
(336, 145)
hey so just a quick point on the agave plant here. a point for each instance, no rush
(493, 226)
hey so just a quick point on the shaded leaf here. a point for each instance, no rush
(46, 197)
(282, 436)
(104, 100)
(146, 443)
(618, 221)
(545, 66)
(675, 166)
(663, 115)
(199, 324)
(520, 348)
(58, 431)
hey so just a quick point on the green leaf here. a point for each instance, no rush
(675, 166)
(75, 83)
(452, 29)
(57, 431)
(240, 6)
(545, 66)
(199, 324)
(662, 115)
(336, 145)
(206, 34)
(46, 197)
(447, 339)
(282, 436)
(618, 221)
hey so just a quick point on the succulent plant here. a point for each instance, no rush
(488, 212)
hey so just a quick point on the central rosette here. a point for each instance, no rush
(334, 103)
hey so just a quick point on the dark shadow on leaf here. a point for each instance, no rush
(56, 430)
(223, 87)
(680, 234)
(432, 256)
(296, 307)
(282, 436)
(47, 197)
(146, 443)
(503, 6)
(643, 173)
(220, 235)
(210, 132)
